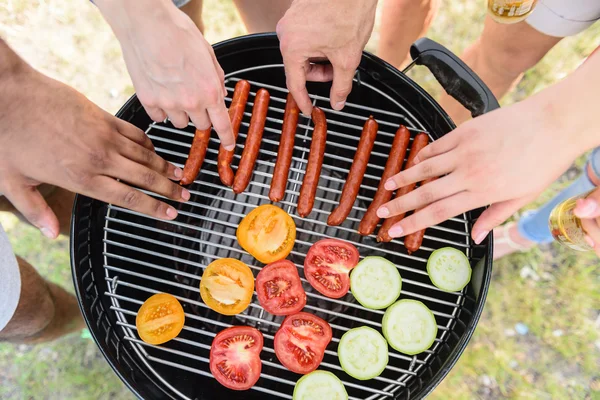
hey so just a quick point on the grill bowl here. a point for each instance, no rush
(120, 258)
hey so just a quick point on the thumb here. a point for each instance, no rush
(495, 215)
(590, 206)
(343, 74)
(32, 205)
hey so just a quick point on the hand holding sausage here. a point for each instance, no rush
(173, 68)
(50, 133)
(314, 30)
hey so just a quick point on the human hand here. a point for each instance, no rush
(588, 210)
(505, 158)
(50, 133)
(315, 30)
(173, 68)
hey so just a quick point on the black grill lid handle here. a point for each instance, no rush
(455, 76)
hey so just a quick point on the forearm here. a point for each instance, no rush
(572, 105)
(125, 15)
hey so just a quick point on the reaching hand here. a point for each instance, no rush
(314, 30)
(173, 68)
(50, 133)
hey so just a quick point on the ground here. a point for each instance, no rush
(538, 337)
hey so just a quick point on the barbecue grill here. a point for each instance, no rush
(121, 257)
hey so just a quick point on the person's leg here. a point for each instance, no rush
(500, 57)
(403, 22)
(45, 311)
(192, 9)
(261, 15)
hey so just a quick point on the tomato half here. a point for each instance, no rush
(279, 288)
(235, 357)
(300, 342)
(227, 286)
(328, 264)
(268, 233)
(159, 319)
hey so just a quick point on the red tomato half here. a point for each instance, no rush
(235, 357)
(328, 264)
(300, 342)
(279, 288)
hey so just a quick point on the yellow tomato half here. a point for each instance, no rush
(227, 286)
(160, 319)
(268, 233)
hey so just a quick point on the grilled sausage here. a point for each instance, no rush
(306, 200)
(413, 241)
(286, 149)
(196, 156)
(356, 174)
(420, 141)
(236, 114)
(253, 139)
(392, 167)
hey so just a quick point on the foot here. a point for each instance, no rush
(508, 240)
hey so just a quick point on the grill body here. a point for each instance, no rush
(120, 258)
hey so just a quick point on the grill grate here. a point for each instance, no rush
(143, 256)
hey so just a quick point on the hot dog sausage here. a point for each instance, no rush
(196, 156)
(236, 114)
(306, 200)
(392, 167)
(357, 171)
(286, 149)
(253, 139)
(420, 141)
(413, 241)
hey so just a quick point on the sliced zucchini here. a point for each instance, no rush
(409, 326)
(449, 269)
(363, 353)
(375, 282)
(320, 385)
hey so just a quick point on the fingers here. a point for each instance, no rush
(218, 69)
(200, 119)
(423, 196)
(319, 72)
(434, 214)
(343, 74)
(495, 215)
(592, 230)
(141, 176)
(111, 191)
(178, 118)
(588, 207)
(148, 158)
(135, 134)
(295, 75)
(32, 205)
(222, 124)
(157, 114)
(440, 146)
(431, 168)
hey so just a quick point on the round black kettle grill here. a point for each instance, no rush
(121, 257)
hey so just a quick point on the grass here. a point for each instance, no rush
(553, 291)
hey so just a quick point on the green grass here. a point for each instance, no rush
(558, 298)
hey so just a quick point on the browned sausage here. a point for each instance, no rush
(236, 114)
(306, 200)
(392, 167)
(196, 156)
(286, 149)
(420, 141)
(356, 174)
(253, 139)
(413, 241)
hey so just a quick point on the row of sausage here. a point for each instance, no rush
(240, 180)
